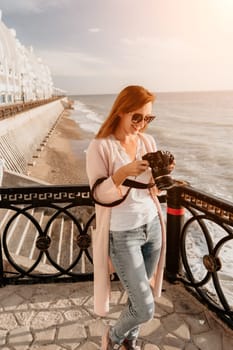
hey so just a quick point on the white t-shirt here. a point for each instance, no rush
(138, 208)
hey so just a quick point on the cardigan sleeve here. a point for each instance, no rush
(98, 159)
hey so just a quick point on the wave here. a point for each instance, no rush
(88, 119)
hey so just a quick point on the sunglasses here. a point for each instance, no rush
(137, 118)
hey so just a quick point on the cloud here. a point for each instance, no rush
(68, 63)
(154, 43)
(154, 50)
(94, 30)
(31, 6)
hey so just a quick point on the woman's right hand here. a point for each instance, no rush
(134, 168)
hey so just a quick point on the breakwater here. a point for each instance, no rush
(23, 134)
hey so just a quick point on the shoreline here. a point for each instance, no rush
(62, 161)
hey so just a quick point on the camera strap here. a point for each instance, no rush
(129, 183)
(137, 184)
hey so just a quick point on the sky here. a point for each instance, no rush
(101, 46)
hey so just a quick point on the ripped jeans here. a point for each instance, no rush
(134, 254)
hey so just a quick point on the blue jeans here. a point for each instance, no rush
(134, 254)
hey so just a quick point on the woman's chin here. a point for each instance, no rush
(135, 130)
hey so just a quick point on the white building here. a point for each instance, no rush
(23, 76)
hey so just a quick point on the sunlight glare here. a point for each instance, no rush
(226, 6)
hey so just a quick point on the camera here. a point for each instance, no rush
(161, 163)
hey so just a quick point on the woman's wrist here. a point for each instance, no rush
(119, 176)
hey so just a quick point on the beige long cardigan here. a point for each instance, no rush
(100, 158)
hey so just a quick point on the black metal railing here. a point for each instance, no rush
(46, 236)
(68, 206)
(200, 245)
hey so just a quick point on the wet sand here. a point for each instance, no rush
(61, 161)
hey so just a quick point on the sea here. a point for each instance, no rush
(197, 128)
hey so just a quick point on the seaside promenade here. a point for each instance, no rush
(60, 316)
(57, 317)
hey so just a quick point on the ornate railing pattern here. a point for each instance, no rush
(64, 211)
(204, 232)
(46, 237)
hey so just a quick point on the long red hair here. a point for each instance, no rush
(129, 99)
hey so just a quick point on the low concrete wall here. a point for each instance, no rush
(22, 135)
(11, 179)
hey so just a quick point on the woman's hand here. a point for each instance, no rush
(171, 167)
(134, 168)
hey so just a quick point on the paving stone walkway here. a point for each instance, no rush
(60, 317)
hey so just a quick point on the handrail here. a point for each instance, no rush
(199, 233)
(10, 110)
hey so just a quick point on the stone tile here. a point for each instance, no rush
(218, 324)
(47, 347)
(185, 302)
(79, 293)
(71, 346)
(44, 335)
(164, 303)
(45, 319)
(207, 341)
(8, 321)
(26, 292)
(171, 342)
(11, 302)
(72, 332)
(6, 292)
(40, 305)
(20, 338)
(185, 307)
(89, 302)
(40, 289)
(61, 303)
(3, 334)
(23, 307)
(150, 347)
(115, 297)
(197, 323)
(227, 342)
(77, 314)
(78, 300)
(190, 346)
(24, 317)
(124, 298)
(96, 328)
(115, 312)
(89, 346)
(22, 347)
(159, 312)
(153, 332)
(175, 324)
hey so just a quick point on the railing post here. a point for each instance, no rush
(1, 266)
(175, 218)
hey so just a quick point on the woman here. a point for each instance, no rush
(130, 236)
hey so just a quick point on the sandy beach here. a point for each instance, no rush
(59, 162)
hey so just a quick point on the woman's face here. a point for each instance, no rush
(127, 124)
